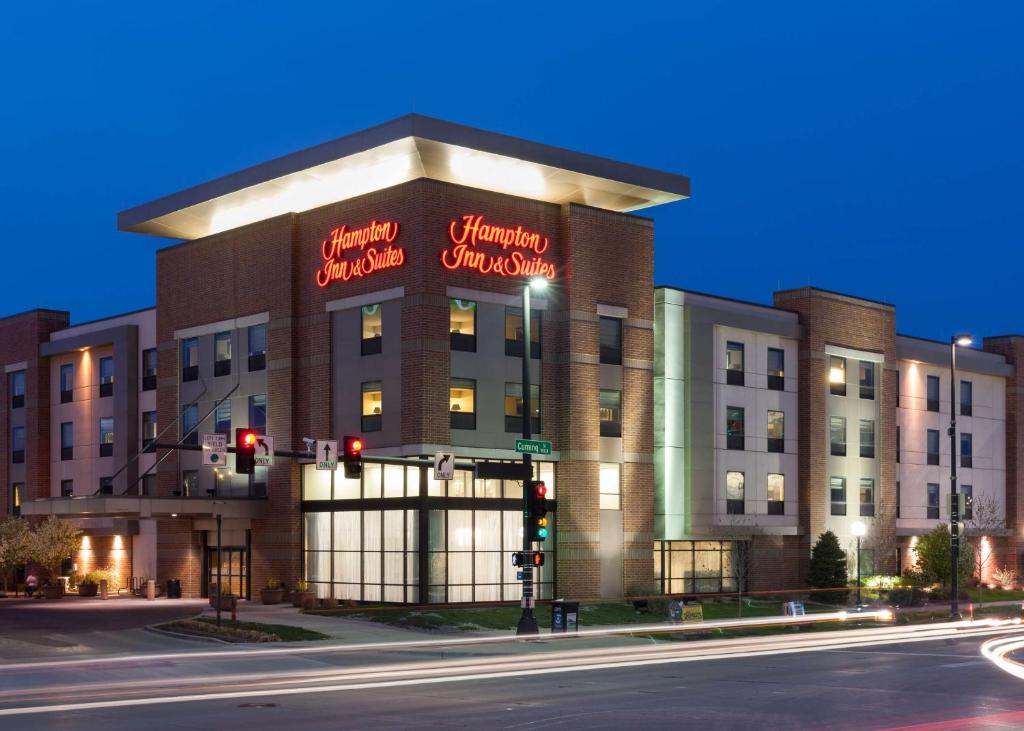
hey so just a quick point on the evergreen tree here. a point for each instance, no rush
(828, 569)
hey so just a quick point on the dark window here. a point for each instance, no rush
(372, 328)
(968, 493)
(222, 418)
(514, 408)
(258, 413)
(933, 393)
(735, 428)
(148, 428)
(17, 444)
(734, 493)
(107, 436)
(462, 403)
(190, 359)
(257, 347)
(17, 381)
(149, 485)
(106, 377)
(898, 503)
(734, 363)
(149, 369)
(106, 486)
(966, 398)
(190, 425)
(222, 354)
(837, 435)
(933, 446)
(867, 497)
(899, 379)
(776, 494)
(867, 380)
(898, 445)
(462, 325)
(67, 440)
(776, 369)
(837, 490)
(611, 413)
(966, 450)
(514, 332)
(837, 376)
(867, 438)
(67, 383)
(611, 340)
(933, 501)
(189, 482)
(373, 402)
(67, 488)
(17, 493)
(776, 431)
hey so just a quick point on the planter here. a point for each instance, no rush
(272, 596)
(298, 597)
(87, 589)
(53, 592)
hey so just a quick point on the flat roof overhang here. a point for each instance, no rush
(395, 152)
(128, 506)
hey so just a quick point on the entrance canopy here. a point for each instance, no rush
(137, 506)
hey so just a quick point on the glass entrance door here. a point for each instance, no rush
(234, 568)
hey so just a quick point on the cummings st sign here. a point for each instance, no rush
(502, 250)
(376, 251)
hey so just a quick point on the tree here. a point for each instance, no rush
(15, 545)
(933, 557)
(53, 541)
(828, 568)
(741, 532)
(987, 520)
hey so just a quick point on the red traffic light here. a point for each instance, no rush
(538, 558)
(249, 439)
(357, 445)
(353, 457)
(540, 489)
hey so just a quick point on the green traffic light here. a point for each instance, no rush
(542, 533)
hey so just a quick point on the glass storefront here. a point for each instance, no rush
(696, 567)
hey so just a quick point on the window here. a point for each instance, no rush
(106, 377)
(898, 440)
(67, 440)
(966, 398)
(611, 413)
(734, 493)
(190, 359)
(898, 507)
(867, 379)
(610, 486)
(734, 363)
(222, 418)
(67, 488)
(372, 416)
(735, 427)
(776, 369)
(837, 435)
(776, 431)
(17, 379)
(933, 446)
(107, 436)
(17, 493)
(611, 340)
(371, 323)
(149, 485)
(867, 497)
(190, 425)
(776, 494)
(462, 324)
(257, 348)
(837, 488)
(148, 428)
(258, 413)
(933, 501)
(933, 393)
(462, 403)
(837, 376)
(222, 354)
(966, 449)
(149, 369)
(17, 444)
(867, 438)
(514, 408)
(514, 332)
(968, 493)
(67, 383)
(189, 483)
(106, 486)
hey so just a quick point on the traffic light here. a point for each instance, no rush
(538, 508)
(538, 558)
(517, 558)
(353, 457)
(520, 559)
(245, 451)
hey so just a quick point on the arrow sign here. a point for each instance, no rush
(326, 454)
(264, 450)
(444, 465)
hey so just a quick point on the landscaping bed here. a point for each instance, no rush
(242, 631)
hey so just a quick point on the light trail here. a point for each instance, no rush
(998, 651)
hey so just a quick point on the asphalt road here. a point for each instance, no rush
(19, 617)
(627, 683)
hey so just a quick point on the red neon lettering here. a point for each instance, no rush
(525, 260)
(371, 260)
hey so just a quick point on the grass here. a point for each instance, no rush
(243, 631)
(994, 595)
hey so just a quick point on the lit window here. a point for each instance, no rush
(106, 436)
(148, 427)
(222, 354)
(734, 363)
(611, 413)
(837, 376)
(734, 493)
(372, 404)
(837, 490)
(462, 403)
(776, 494)
(610, 486)
(867, 438)
(837, 435)
(372, 326)
(462, 325)
(776, 431)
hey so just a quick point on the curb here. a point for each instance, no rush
(183, 636)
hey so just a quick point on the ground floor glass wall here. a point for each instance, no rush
(696, 567)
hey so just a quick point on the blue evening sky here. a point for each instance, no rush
(870, 147)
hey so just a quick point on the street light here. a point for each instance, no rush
(954, 503)
(858, 529)
(527, 622)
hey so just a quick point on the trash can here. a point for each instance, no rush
(174, 588)
(564, 616)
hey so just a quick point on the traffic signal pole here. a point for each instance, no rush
(527, 622)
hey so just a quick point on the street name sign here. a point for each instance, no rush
(533, 446)
(215, 449)
(264, 450)
(326, 454)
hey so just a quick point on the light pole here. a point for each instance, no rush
(527, 622)
(858, 529)
(954, 503)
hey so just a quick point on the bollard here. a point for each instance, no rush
(151, 589)
(970, 611)
(103, 588)
(234, 609)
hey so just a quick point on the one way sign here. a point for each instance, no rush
(326, 455)
(444, 465)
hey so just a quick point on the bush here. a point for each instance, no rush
(933, 557)
(907, 596)
(828, 569)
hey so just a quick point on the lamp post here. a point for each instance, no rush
(954, 502)
(858, 529)
(527, 622)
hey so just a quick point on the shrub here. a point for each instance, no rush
(273, 583)
(828, 569)
(1006, 578)
(933, 557)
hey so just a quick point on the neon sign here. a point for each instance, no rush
(376, 252)
(521, 255)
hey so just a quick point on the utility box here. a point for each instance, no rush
(564, 616)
